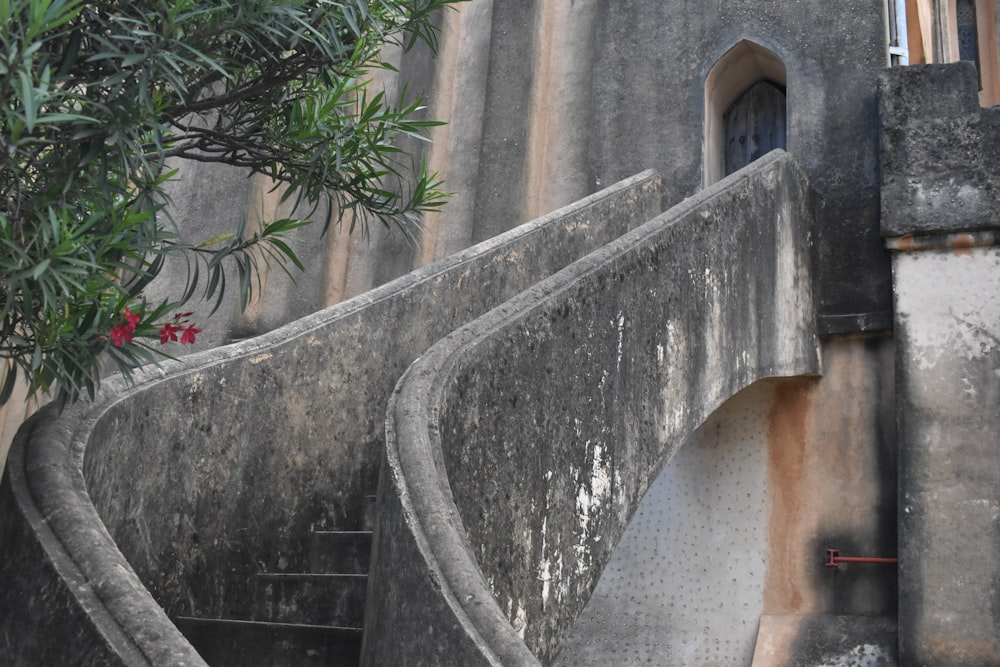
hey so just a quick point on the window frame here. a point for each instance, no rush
(986, 29)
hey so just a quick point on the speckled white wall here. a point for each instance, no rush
(686, 583)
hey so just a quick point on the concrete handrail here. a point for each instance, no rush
(98, 501)
(519, 445)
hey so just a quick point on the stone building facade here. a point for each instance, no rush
(884, 448)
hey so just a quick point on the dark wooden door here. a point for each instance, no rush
(754, 125)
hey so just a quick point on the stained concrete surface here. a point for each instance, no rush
(185, 485)
(939, 150)
(940, 214)
(685, 585)
(549, 101)
(512, 497)
(722, 563)
(949, 407)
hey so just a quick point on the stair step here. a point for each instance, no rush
(235, 643)
(318, 599)
(349, 518)
(340, 551)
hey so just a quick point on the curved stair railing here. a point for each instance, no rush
(196, 496)
(519, 445)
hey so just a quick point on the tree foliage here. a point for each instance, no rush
(98, 96)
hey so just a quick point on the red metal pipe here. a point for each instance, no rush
(834, 559)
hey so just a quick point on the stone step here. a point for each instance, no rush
(340, 551)
(234, 643)
(360, 518)
(316, 599)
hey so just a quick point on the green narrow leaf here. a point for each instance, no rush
(222, 290)
(192, 282)
(216, 239)
(244, 271)
(27, 101)
(287, 251)
(10, 379)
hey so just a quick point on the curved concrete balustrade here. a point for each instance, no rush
(168, 496)
(518, 446)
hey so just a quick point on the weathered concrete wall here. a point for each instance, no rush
(948, 332)
(940, 171)
(549, 100)
(723, 562)
(685, 585)
(940, 214)
(68, 595)
(519, 446)
(209, 471)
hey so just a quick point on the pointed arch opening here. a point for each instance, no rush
(745, 109)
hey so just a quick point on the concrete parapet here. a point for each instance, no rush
(518, 447)
(173, 492)
(939, 148)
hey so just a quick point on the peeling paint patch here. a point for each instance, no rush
(591, 495)
(941, 312)
(520, 622)
(865, 655)
(621, 339)
(545, 576)
(576, 225)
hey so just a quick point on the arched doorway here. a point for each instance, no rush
(745, 95)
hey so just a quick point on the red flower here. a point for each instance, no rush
(168, 332)
(189, 333)
(131, 320)
(179, 324)
(122, 332)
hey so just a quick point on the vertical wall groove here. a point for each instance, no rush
(560, 107)
(506, 121)
(459, 98)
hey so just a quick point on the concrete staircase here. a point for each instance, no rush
(299, 618)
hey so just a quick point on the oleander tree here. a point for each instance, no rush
(100, 102)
